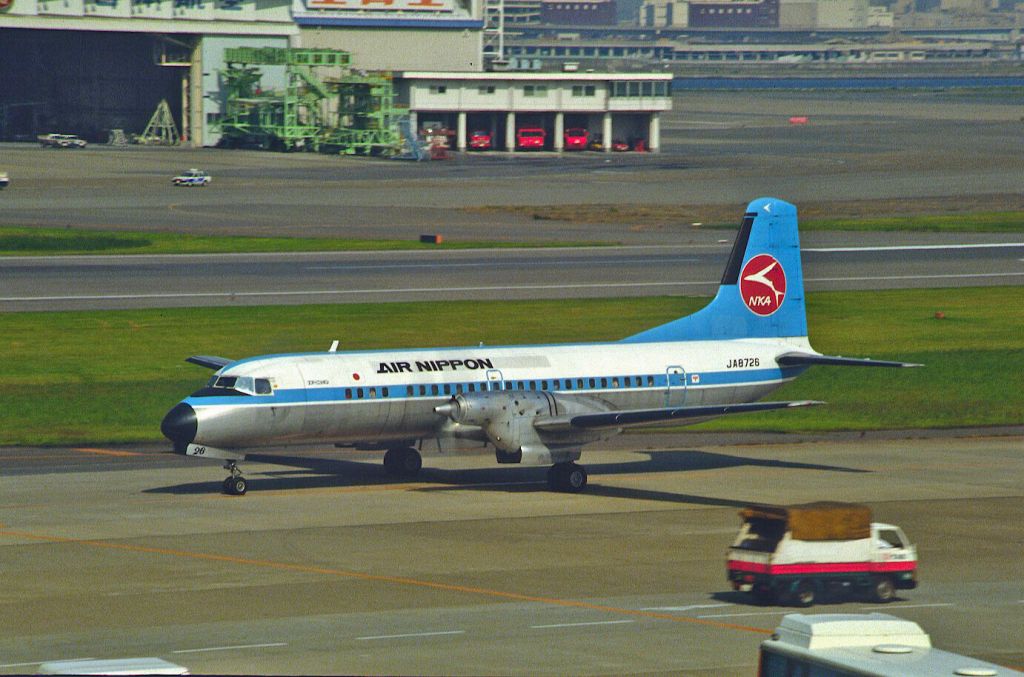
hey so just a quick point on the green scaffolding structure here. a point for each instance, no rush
(324, 106)
(367, 114)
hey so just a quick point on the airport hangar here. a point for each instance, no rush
(90, 66)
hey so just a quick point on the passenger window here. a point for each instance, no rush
(615, 383)
(384, 392)
(568, 384)
(348, 393)
(471, 388)
(263, 386)
(579, 384)
(543, 385)
(458, 388)
(604, 383)
(359, 393)
(373, 393)
(433, 389)
(650, 380)
(410, 391)
(593, 383)
(423, 390)
(447, 389)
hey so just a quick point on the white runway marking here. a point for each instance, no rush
(690, 607)
(435, 290)
(915, 247)
(906, 606)
(579, 625)
(491, 264)
(231, 648)
(22, 665)
(752, 613)
(414, 634)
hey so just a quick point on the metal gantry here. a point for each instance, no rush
(324, 105)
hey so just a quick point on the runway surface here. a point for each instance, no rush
(330, 568)
(95, 282)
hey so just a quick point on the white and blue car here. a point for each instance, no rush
(191, 177)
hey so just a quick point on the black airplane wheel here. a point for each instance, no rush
(404, 461)
(235, 486)
(568, 477)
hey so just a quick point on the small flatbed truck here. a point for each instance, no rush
(801, 553)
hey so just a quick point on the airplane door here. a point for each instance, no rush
(675, 386)
(494, 379)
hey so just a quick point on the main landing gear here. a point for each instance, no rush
(569, 477)
(235, 484)
(402, 462)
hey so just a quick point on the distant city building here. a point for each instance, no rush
(710, 14)
(578, 12)
(880, 17)
(665, 14)
(734, 14)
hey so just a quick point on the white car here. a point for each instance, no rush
(61, 141)
(4, 180)
(192, 177)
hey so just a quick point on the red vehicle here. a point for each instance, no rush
(529, 138)
(619, 146)
(480, 140)
(576, 138)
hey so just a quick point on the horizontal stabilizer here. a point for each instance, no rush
(630, 417)
(807, 359)
(209, 361)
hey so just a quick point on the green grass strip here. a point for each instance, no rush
(109, 376)
(21, 241)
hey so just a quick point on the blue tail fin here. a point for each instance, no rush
(762, 290)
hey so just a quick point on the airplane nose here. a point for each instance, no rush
(180, 425)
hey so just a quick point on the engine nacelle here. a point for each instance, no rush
(507, 416)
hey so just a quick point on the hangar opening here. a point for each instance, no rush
(83, 82)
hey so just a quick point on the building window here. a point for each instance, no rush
(535, 90)
(438, 89)
(486, 89)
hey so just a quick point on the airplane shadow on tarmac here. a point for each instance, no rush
(319, 473)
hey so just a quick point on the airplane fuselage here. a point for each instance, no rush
(382, 396)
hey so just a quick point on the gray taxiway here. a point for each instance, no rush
(326, 567)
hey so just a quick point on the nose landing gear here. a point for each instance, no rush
(235, 484)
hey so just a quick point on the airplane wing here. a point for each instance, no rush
(630, 417)
(807, 359)
(209, 361)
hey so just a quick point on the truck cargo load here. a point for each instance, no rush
(821, 521)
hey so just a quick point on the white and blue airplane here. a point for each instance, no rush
(537, 404)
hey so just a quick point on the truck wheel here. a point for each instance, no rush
(884, 589)
(804, 594)
(763, 595)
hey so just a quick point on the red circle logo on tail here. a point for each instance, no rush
(763, 284)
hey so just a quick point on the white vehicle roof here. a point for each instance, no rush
(118, 666)
(826, 631)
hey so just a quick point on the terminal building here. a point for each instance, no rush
(241, 67)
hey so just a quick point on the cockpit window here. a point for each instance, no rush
(238, 385)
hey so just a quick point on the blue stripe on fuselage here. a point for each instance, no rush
(294, 396)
